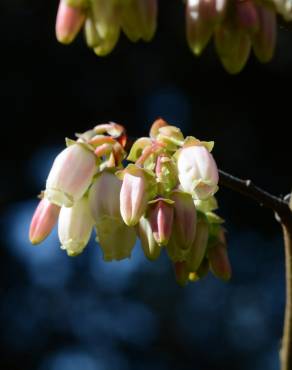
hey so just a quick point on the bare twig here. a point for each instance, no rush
(247, 188)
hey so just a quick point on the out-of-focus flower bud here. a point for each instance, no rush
(92, 37)
(160, 216)
(264, 40)
(181, 273)
(69, 22)
(197, 171)
(43, 221)
(151, 249)
(78, 3)
(71, 175)
(138, 19)
(246, 16)
(106, 20)
(115, 238)
(185, 219)
(218, 258)
(139, 186)
(201, 18)
(199, 246)
(233, 46)
(107, 44)
(75, 226)
(166, 174)
(284, 7)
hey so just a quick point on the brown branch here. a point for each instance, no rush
(248, 189)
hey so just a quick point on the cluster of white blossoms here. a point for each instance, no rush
(162, 192)
(238, 26)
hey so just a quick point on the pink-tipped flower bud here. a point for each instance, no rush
(218, 258)
(71, 175)
(185, 219)
(139, 186)
(197, 171)
(264, 40)
(69, 22)
(160, 215)
(199, 246)
(201, 19)
(151, 249)
(43, 221)
(75, 226)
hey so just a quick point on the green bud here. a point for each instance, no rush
(151, 249)
(199, 246)
(264, 40)
(233, 47)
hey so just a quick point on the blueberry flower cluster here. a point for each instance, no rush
(162, 193)
(103, 21)
(238, 26)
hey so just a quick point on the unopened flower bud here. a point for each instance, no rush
(160, 215)
(201, 18)
(218, 258)
(264, 40)
(138, 19)
(201, 272)
(43, 221)
(138, 188)
(185, 219)
(151, 249)
(199, 246)
(233, 47)
(197, 171)
(115, 238)
(71, 175)
(69, 22)
(105, 18)
(246, 15)
(75, 226)
(104, 196)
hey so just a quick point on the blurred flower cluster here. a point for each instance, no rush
(103, 21)
(162, 193)
(238, 26)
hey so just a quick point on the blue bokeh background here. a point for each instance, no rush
(60, 313)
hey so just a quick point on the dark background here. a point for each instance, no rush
(58, 313)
